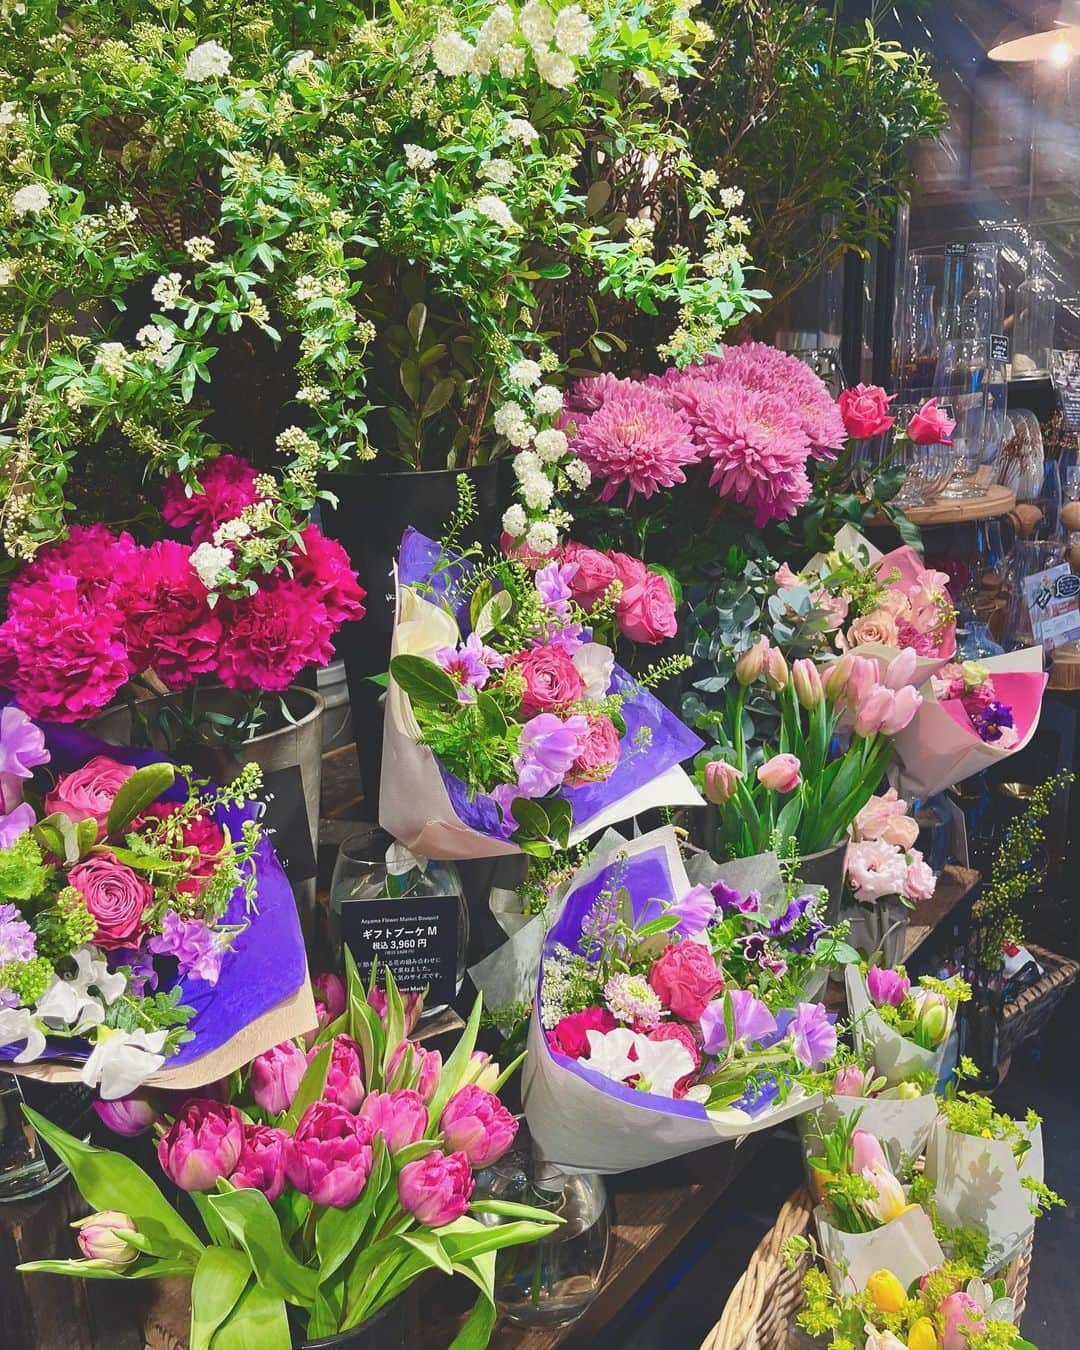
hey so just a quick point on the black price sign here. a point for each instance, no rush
(286, 822)
(1070, 407)
(416, 938)
(999, 347)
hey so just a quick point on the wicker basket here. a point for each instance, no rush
(760, 1313)
(1031, 1011)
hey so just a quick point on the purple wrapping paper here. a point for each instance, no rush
(265, 965)
(672, 742)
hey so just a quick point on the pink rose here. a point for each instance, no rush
(931, 425)
(595, 573)
(879, 626)
(865, 410)
(88, 793)
(646, 610)
(686, 978)
(674, 1031)
(919, 880)
(599, 753)
(552, 681)
(628, 569)
(834, 607)
(116, 896)
(875, 869)
(570, 1036)
(781, 773)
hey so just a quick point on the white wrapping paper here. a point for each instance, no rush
(906, 1246)
(895, 1057)
(900, 1127)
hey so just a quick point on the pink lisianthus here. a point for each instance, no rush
(865, 410)
(919, 880)
(228, 485)
(646, 610)
(322, 565)
(269, 637)
(87, 793)
(598, 756)
(874, 869)
(168, 625)
(635, 439)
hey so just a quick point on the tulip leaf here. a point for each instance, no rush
(426, 684)
(431, 1249)
(338, 1231)
(218, 1233)
(453, 1073)
(465, 1238)
(94, 1270)
(395, 1018)
(259, 1319)
(249, 1218)
(143, 787)
(222, 1275)
(311, 1088)
(476, 1333)
(110, 1181)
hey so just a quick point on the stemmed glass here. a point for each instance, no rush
(962, 384)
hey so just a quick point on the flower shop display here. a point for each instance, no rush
(638, 1025)
(899, 1117)
(906, 1027)
(148, 930)
(973, 716)
(326, 1181)
(886, 877)
(507, 726)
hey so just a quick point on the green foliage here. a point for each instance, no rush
(23, 872)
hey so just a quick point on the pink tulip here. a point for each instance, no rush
(476, 1123)
(96, 1235)
(436, 1189)
(330, 995)
(776, 670)
(400, 1117)
(781, 773)
(345, 1076)
(414, 1006)
(887, 986)
(866, 1151)
(204, 1143)
(961, 1319)
(423, 1071)
(871, 713)
(906, 703)
(276, 1075)
(889, 1201)
(807, 681)
(851, 1081)
(752, 662)
(721, 780)
(900, 669)
(862, 677)
(262, 1161)
(836, 678)
(329, 1157)
(128, 1116)
(483, 1070)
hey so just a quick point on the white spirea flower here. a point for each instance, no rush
(731, 198)
(9, 114)
(313, 394)
(157, 341)
(7, 274)
(573, 31)
(497, 28)
(167, 290)
(110, 356)
(33, 197)
(207, 60)
(542, 538)
(514, 521)
(579, 473)
(511, 61)
(521, 434)
(526, 465)
(209, 561)
(298, 64)
(500, 171)
(495, 209)
(451, 53)
(536, 23)
(555, 69)
(521, 129)
(231, 531)
(547, 400)
(550, 445)
(200, 247)
(419, 158)
(506, 415)
(525, 372)
(537, 491)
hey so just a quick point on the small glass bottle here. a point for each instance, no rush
(1033, 329)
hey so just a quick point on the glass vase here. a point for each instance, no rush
(962, 387)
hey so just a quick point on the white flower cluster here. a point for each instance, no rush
(312, 394)
(543, 536)
(32, 198)
(556, 987)
(157, 343)
(207, 60)
(419, 158)
(521, 129)
(199, 248)
(571, 31)
(110, 356)
(550, 445)
(510, 421)
(547, 400)
(10, 114)
(534, 486)
(231, 531)
(452, 54)
(7, 274)
(499, 171)
(168, 290)
(299, 64)
(209, 561)
(497, 210)
(525, 372)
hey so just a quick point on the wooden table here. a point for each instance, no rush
(954, 886)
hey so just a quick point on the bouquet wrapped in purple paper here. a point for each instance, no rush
(508, 728)
(147, 932)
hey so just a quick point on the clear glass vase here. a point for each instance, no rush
(552, 1282)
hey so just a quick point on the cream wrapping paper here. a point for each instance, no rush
(906, 1246)
(895, 1057)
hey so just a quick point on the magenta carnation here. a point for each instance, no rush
(322, 565)
(169, 626)
(100, 561)
(272, 635)
(638, 439)
(228, 485)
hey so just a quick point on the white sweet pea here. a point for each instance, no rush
(658, 1065)
(19, 1024)
(63, 1005)
(594, 662)
(122, 1061)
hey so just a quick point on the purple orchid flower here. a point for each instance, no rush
(752, 1021)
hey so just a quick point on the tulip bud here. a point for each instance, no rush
(932, 1026)
(482, 1070)
(886, 1291)
(922, 1335)
(781, 773)
(776, 670)
(262, 1161)
(752, 662)
(345, 1074)
(836, 678)
(961, 1318)
(98, 1241)
(807, 682)
(422, 1069)
(907, 1092)
(866, 1151)
(400, 1117)
(330, 997)
(721, 780)
(872, 711)
(128, 1116)
(203, 1144)
(850, 1081)
(862, 676)
(276, 1075)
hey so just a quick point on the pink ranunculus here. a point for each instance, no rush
(476, 1123)
(570, 1036)
(345, 1076)
(322, 565)
(887, 986)
(276, 1075)
(865, 410)
(866, 1152)
(552, 681)
(269, 637)
(875, 869)
(127, 1116)
(782, 773)
(646, 610)
(599, 754)
(414, 1006)
(675, 1031)
(595, 573)
(878, 626)
(931, 425)
(328, 1159)
(116, 896)
(203, 1143)
(262, 1161)
(721, 781)
(423, 1068)
(228, 484)
(686, 978)
(919, 880)
(435, 1189)
(168, 625)
(88, 793)
(400, 1117)
(961, 1318)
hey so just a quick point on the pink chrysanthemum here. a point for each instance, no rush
(322, 565)
(169, 626)
(228, 485)
(635, 438)
(758, 448)
(591, 392)
(269, 637)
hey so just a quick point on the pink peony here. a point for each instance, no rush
(117, 897)
(168, 626)
(595, 573)
(552, 681)
(646, 610)
(101, 562)
(674, 1031)
(272, 635)
(322, 565)
(931, 425)
(865, 410)
(635, 438)
(686, 978)
(599, 753)
(88, 793)
(228, 485)
(570, 1036)
(874, 869)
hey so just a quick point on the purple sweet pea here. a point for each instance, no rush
(696, 910)
(547, 748)
(141, 965)
(468, 666)
(813, 1035)
(197, 948)
(22, 748)
(887, 986)
(553, 587)
(755, 947)
(785, 922)
(752, 1019)
(728, 900)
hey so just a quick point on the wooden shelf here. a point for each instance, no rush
(954, 886)
(996, 501)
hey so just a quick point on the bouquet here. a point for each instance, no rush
(906, 1027)
(804, 787)
(885, 874)
(973, 716)
(639, 1024)
(327, 1181)
(899, 1117)
(146, 922)
(508, 728)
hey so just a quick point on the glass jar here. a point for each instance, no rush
(371, 865)
(1033, 329)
